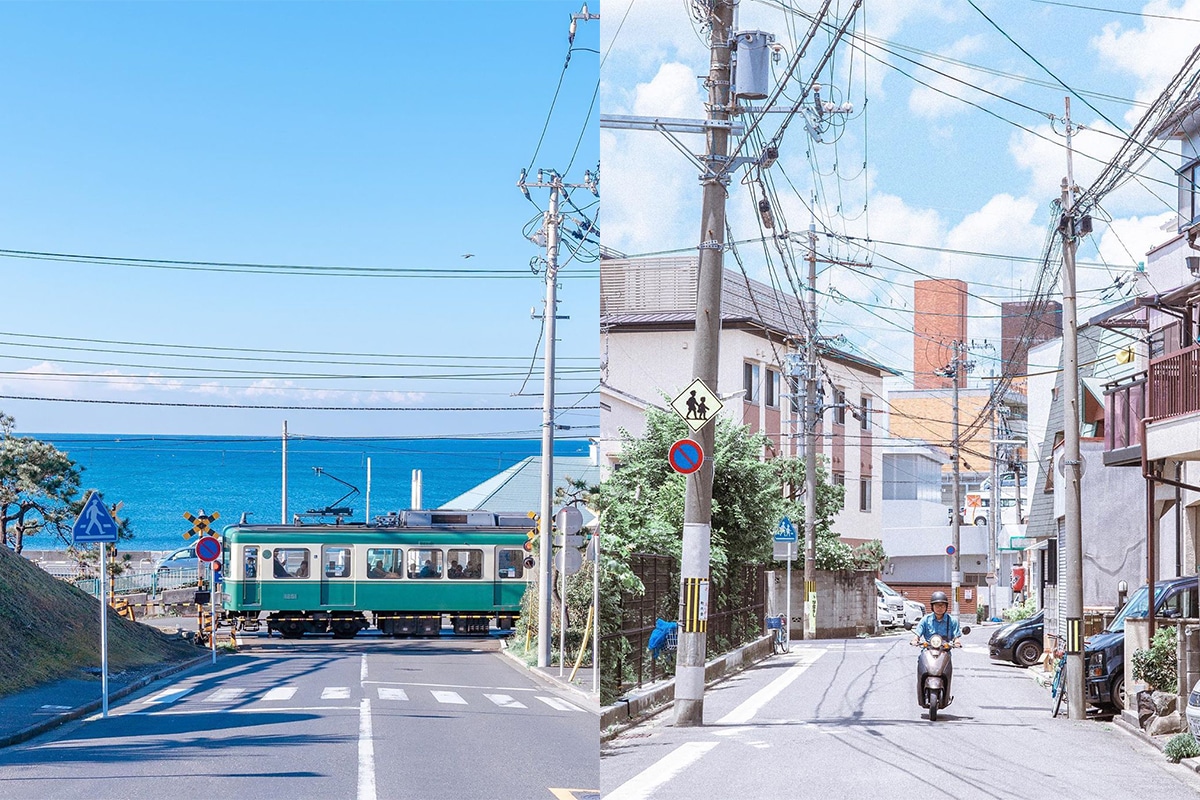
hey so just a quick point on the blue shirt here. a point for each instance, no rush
(948, 628)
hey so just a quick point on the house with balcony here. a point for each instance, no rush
(647, 324)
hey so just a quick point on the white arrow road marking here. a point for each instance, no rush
(642, 785)
(754, 703)
(504, 701)
(449, 697)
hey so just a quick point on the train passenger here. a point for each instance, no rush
(376, 571)
(281, 570)
(456, 571)
(427, 570)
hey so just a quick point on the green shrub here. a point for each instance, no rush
(1024, 611)
(1181, 745)
(1156, 666)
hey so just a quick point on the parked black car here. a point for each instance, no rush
(1019, 642)
(1104, 653)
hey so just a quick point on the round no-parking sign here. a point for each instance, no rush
(686, 456)
(208, 548)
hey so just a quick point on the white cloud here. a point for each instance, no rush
(939, 99)
(1152, 53)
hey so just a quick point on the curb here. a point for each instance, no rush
(634, 708)
(592, 700)
(81, 711)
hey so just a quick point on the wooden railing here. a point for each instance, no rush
(1174, 384)
(1124, 407)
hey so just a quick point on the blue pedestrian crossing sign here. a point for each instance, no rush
(95, 523)
(786, 532)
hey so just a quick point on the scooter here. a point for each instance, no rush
(933, 674)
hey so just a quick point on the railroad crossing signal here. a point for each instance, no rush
(201, 523)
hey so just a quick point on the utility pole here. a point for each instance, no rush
(956, 523)
(283, 517)
(1073, 585)
(994, 515)
(809, 604)
(697, 519)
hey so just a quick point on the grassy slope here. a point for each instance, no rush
(50, 630)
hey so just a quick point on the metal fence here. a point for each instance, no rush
(737, 606)
(148, 581)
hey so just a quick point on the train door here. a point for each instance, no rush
(251, 588)
(337, 579)
(510, 575)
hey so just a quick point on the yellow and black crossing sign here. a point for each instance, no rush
(695, 605)
(201, 523)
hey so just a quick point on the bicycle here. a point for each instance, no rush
(1058, 687)
(779, 634)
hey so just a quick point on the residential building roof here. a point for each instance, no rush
(519, 488)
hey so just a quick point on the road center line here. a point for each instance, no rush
(754, 703)
(366, 753)
(642, 785)
(362, 671)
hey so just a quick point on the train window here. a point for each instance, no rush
(510, 563)
(465, 564)
(336, 561)
(291, 562)
(251, 560)
(385, 562)
(424, 563)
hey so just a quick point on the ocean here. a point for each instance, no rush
(159, 478)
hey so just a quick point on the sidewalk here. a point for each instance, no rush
(32, 712)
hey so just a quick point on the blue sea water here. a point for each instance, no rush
(159, 478)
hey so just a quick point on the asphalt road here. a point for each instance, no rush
(367, 718)
(840, 719)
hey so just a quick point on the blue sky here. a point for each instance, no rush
(372, 136)
(952, 164)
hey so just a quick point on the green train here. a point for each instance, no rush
(401, 573)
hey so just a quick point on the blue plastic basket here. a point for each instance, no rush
(775, 623)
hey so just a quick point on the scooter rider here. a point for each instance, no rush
(943, 624)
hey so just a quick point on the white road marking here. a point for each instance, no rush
(169, 695)
(449, 697)
(753, 704)
(362, 670)
(366, 753)
(223, 695)
(280, 693)
(391, 693)
(642, 785)
(335, 693)
(504, 701)
(558, 705)
(55, 708)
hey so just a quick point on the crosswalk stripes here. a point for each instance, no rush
(449, 697)
(504, 701)
(169, 696)
(558, 705)
(277, 694)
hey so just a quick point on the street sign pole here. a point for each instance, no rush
(787, 625)
(212, 598)
(104, 629)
